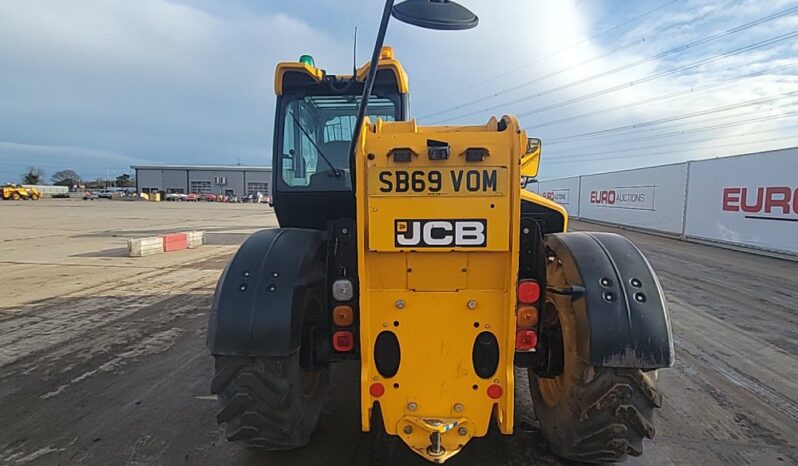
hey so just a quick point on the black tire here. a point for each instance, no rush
(268, 403)
(590, 414)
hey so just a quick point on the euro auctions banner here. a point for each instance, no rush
(749, 200)
(564, 191)
(651, 198)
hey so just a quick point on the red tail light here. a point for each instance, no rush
(376, 390)
(525, 340)
(495, 391)
(528, 291)
(343, 341)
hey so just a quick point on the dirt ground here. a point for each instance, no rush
(103, 358)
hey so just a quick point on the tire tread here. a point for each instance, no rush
(261, 403)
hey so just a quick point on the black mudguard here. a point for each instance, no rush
(261, 297)
(620, 308)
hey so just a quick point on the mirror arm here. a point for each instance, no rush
(364, 100)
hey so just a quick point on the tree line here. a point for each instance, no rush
(70, 178)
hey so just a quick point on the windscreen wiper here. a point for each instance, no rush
(324, 157)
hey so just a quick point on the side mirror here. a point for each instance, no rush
(444, 15)
(530, 161)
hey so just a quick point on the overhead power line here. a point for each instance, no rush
(652, 154)
(591, 155)
(710, 111)
(557, 52)
(746, 121)
(622, 133)
(651, 58)
(652, 77)
(691, 91)
(527, 83)
(537, 79)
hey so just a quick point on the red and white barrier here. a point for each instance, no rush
(140, 247)
(175, 242)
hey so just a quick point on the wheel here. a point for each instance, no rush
(34, 197)
(15, 196)
(589, 413)
(268, 403)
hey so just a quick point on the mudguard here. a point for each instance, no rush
(263, 293)
(620, 307)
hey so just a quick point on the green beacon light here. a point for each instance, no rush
(308, 60)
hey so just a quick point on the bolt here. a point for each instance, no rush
(412, 406)
(462, 431)
(408, 430)
(246, 274)
(243, 287)
(636, 283)
(472, 304)
(458, 407)
(275, 274)
(487, 325)
(344, 230)
(384, 324)
(400, 304)
(375, 378)
(272, 288)
(526, 230)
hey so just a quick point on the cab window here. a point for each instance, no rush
(316, 125)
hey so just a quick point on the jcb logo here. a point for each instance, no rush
(472, 233)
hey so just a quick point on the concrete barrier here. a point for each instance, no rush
(195, 239)
(145, 246)
(175, 242)
(166, 243)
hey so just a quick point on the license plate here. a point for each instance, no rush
(483, 181)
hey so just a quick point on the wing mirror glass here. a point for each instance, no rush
(531, 158)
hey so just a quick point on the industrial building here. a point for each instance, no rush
(229, 180)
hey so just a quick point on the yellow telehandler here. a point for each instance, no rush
(415, 250)
(16, 192)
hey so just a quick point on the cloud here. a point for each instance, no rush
(191, 81)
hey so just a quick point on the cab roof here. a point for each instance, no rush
(302, 73)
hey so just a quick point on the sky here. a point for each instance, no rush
(98, 85)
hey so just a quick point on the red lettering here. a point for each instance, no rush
(593, 197)
(783, 203)
(729, 198)
(757, 206)
(611, 197)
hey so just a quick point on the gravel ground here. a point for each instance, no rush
(103, 359)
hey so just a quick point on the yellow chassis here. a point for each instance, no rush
(437, 299)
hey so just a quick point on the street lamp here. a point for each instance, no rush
(443, 15)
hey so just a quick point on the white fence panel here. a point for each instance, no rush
(48, 189)
(750, 200)
(651, 198)
(564, 191)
